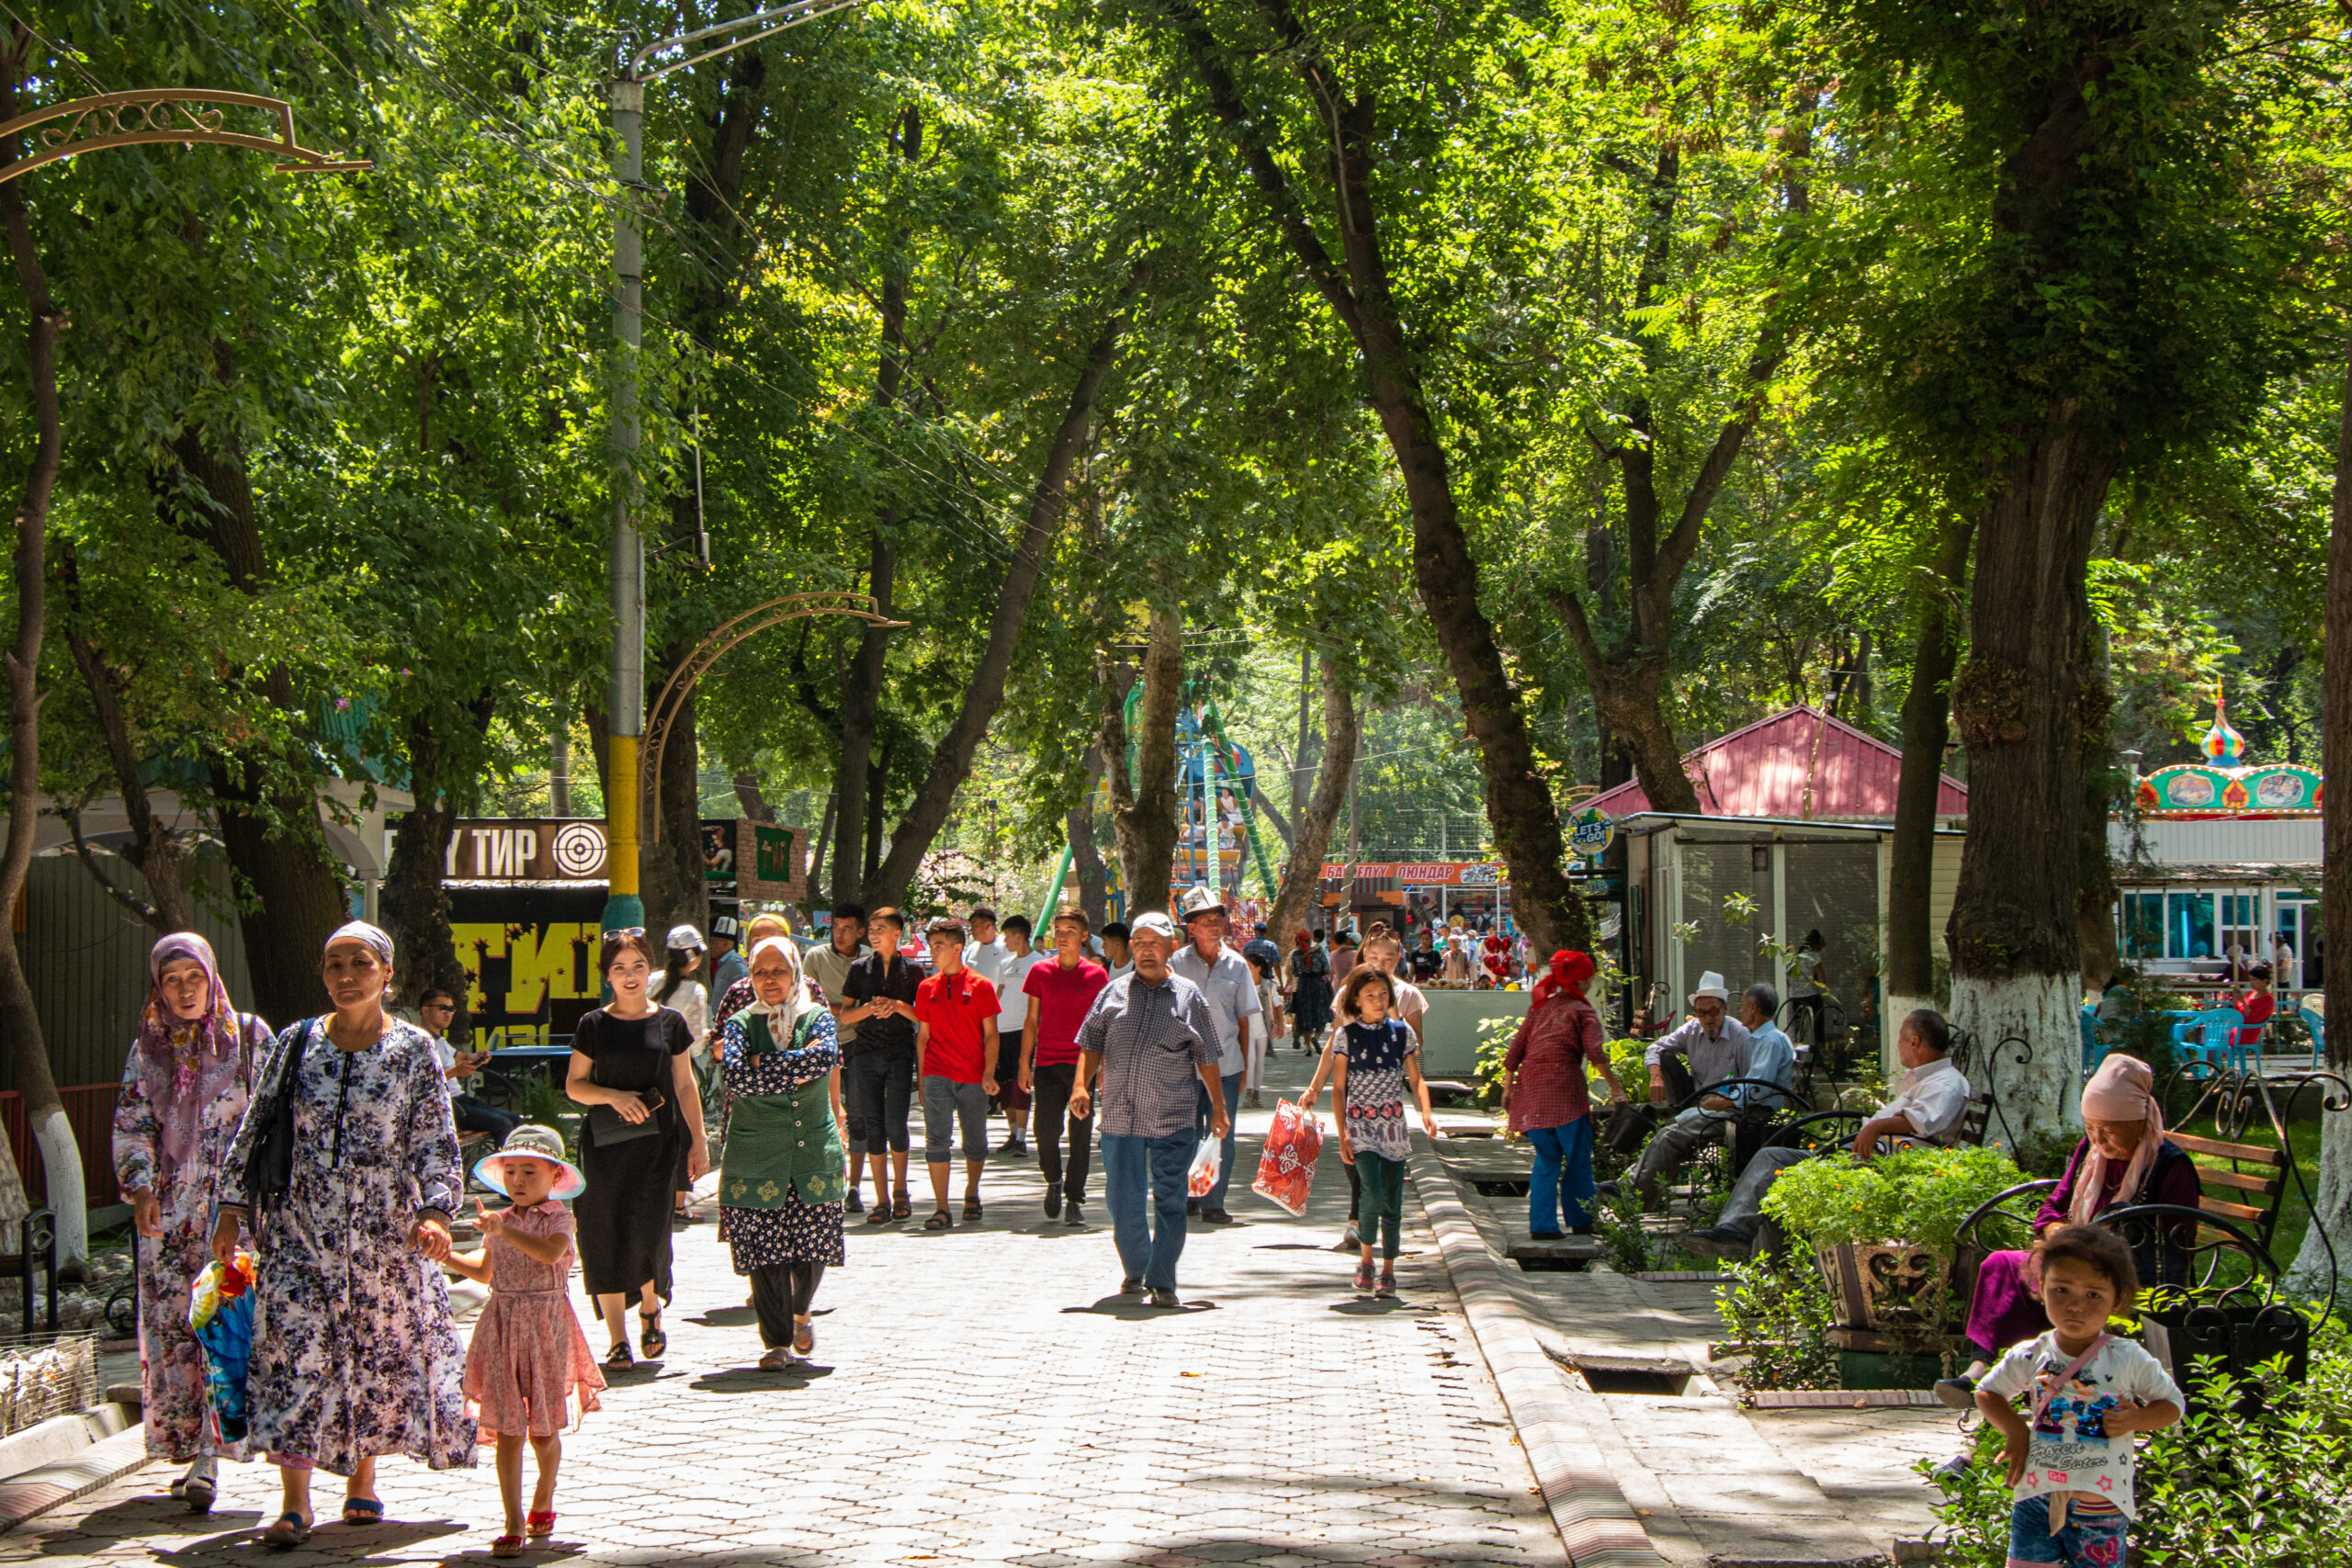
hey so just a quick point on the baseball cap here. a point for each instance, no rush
(1154, 922)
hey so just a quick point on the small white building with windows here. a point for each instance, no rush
(2220, 859)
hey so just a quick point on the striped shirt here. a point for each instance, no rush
(1153, 1041)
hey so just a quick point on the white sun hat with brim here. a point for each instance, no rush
(531, 1141)
(685, 939)
(1711, 984)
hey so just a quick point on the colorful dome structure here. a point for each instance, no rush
(2226, 785)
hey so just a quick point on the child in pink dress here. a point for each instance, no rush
(529, 1359)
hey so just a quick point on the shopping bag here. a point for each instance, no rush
(1202, 1179)
(1286, 1168)
(221, 1315)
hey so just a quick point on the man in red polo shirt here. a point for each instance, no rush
(954, 1049)
(1060, 991)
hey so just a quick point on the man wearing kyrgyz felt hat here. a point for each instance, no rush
(1716, 1046)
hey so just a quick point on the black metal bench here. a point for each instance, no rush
(36, 1249)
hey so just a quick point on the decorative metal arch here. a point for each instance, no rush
(189, 117)
(722, 641)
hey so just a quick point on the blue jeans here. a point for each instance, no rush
(1143, 1185)
(1216, 1198)
(1563, 1175)
(2095, 1542)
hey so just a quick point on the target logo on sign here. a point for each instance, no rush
(579, 849)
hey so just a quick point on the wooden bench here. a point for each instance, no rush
(2261, 1191)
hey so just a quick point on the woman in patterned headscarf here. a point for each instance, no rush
(354, 1353)
(183, 1091)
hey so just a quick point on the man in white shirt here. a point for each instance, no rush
(1223, 976)
(1015, 959)
(1929, 1100)
(1717, 1046)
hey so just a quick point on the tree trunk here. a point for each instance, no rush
(1143, 811)
(559, 762)
(415, 904)
(27, 1049)
(2331, 1209)
(747, 795)
(1520, 806)
(878, 784)
(1926, 726)
(1295, 900)
(860, 703)
(1094, 891)
(670, 872)
(951, 762)
(2024, 699)
(817, 852)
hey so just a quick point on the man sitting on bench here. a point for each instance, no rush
(1929, 1100)
(1716, 1046)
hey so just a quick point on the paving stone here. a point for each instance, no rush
(964, 1415)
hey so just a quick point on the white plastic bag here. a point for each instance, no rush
(1203, 1176)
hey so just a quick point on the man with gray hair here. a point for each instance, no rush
(1717, 1047)
(1771, 1055)
(1153, 1041)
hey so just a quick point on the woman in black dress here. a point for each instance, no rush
(630, 1068)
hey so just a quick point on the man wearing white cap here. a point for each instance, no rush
(1717, 1046)
(1225, 981)
(1153, 1041)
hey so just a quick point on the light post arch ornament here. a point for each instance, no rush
(165, 116)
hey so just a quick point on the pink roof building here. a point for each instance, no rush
(1797, 765)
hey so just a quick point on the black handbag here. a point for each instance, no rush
(269, 1164)
(607, 1127)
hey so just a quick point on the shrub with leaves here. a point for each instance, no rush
(1916, 1195)
(1781, 1313)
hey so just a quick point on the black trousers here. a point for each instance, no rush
(1355, 1191)
(780, 1291)
(878, 1083)
(1049, 1098)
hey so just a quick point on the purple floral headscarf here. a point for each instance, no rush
(166, 1037)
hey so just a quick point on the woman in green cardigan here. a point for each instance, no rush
(785, 1174)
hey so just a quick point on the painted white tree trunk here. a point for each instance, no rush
(2331, 1212)
(61, 1159)
(2044, 1091)
(1890, 1030)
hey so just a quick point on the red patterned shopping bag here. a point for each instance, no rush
(1286, 1168)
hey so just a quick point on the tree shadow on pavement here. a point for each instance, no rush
(391, 1542)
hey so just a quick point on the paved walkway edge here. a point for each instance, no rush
(1599, 1527)
(36, 1492)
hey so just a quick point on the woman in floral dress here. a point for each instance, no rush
(184, 1092)
(784, 1172)
(354, 1354)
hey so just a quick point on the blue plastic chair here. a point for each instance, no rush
(2093, 1047)
(2209, 1040)
(2315, 1022)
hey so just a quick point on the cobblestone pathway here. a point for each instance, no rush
(980, 1397)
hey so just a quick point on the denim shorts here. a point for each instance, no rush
(2093, 1543)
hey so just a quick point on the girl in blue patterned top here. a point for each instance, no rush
(1377, 1061)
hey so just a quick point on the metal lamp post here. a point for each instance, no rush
(624, 698)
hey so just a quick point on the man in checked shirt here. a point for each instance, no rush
(1151, 1040)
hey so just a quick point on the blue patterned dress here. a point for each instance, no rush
(354, 1353)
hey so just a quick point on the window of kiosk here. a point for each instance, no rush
(2239, 932)
(2143, 925)
(2189, 925)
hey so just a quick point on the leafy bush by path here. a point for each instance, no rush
(1781, 1312)
(1917, 1196)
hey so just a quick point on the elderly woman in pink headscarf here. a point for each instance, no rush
(183, 1091)
(2124, 1158)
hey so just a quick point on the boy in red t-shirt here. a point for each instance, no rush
(1062, 992)
(954, 1049)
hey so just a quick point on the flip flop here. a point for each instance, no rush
(506, 1546)
(536, 1525)
(363, 1511)
(290, 1531)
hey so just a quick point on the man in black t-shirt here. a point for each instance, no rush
(879, 1071)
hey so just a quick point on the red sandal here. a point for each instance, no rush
(508, 1546)
(537, 1525)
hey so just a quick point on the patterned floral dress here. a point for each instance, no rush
(529, 1360)
(173, 1122)
(797, 1231)
(354, 1353)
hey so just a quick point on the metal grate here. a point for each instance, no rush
(44, 1377)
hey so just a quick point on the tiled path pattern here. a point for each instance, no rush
(980, 1397)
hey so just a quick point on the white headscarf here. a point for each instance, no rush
(784, 1016)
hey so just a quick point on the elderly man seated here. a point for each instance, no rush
(1717, 1047)
(1930, 1099)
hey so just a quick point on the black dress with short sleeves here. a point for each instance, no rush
(624, 1213)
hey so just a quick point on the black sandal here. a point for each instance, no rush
(650, 1340)
(939, 1221)
(619, 1355)
(880, 1216)
(290, 1531)
(972, 1207)
(901, 1207)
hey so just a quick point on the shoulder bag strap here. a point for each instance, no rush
(2067, 1376)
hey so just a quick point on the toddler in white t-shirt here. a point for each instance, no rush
(2070, 1461)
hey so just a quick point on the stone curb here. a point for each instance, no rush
(38, 1491)
(1597, 1527)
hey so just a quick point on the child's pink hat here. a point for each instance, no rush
(531, 1141)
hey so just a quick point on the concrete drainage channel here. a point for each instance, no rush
(1640, 1456)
